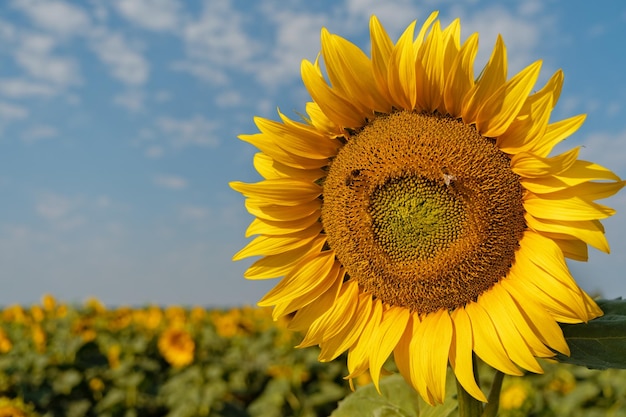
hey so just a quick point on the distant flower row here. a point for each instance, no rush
(91, 360)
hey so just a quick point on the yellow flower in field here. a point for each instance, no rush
(119, 319)
(5, 343)
(94, 304)
(48, 302)
(37, 314)
(39, 338)
(177, 347)
(417, 210)
(516, 399)
(96, 384)
(197, 314)
(14, 314)
(149, 318)
(176, 315)
(15, 407)
(113, 355)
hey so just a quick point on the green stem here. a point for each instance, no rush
(491, 410)
(468, 405)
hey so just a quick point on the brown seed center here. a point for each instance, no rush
(423, 211)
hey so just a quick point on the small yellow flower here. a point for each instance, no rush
(177, 347)
(39, 338)
(37, 314)
(96, 384)
(14, 314)
(119, 319)
(48, 302)
(175, 315)
(516, 398)
(15, 407)
(5, 342)
(113, 355)
(95, 305)
(197, 314)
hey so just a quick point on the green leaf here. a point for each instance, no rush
(601, 343)
(397, 399)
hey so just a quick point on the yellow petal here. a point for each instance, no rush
(461, 353)
(524, 132)
(385, 340)
(496, 114)
(275, 266)
(531, 165)
(358, 356)
(272, 245)
(460, 79)
(381, 52)
(321, 122)
(350, 72)
(311, 312)
(578, 173)
(275, 212)
(305, 276)
(573, 249)
(434, 337)
(516, 346)
(335, 319)
(429, 70)
(401, 71)
(267, 144)
(336, 345)
(270, 169)
(313, 294)
(556, 132)
(487, 344)
(298, 139)
(589, 231)
(336, 107)
(491, 79)
(565, 209)
(542, 323)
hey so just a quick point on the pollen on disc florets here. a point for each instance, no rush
(423, 211)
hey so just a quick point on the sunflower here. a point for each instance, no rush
(176, 346)
(417, 211)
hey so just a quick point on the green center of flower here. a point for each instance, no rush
(414, 218)
(423, 211)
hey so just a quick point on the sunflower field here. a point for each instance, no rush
(90, 360)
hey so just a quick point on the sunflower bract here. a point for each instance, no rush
(418, 211)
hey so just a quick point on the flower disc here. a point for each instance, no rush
(417, 226)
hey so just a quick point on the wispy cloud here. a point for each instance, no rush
(36, 133)
(19, 88)
(132, 100)
(155, 15)
(35, 54)
(197, 131)
(171, 182)
(56, 16)
(123, 58)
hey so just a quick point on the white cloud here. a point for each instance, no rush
(56, 16)
(54, 206)
(154, 152)
(196, 131)
(229, 99)
(194, 213)
(37, 133)
(172, 182)
(132, 100)
(10, 111)
(34, 54)
(217, 41)
(150, 14)
(124, 61)
(297, 37)
(18, 88)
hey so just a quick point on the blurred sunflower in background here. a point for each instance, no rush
(417, 211)
(177, 346)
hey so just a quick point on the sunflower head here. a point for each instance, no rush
(418, 210)
(176, 346)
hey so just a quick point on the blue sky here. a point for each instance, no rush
(118, 125)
